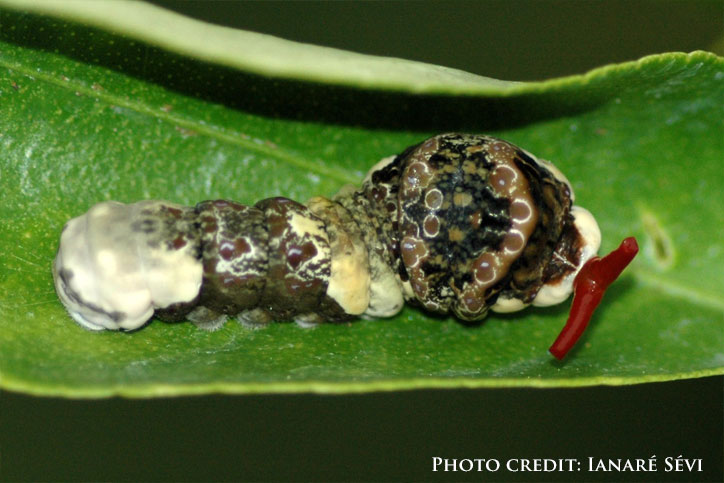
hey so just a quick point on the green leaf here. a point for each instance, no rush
(88, 115)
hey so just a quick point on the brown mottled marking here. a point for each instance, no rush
(235, 259)
(474, 215)
(299, 259)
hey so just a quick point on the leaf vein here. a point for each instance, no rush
(677, 290)
(239, 139)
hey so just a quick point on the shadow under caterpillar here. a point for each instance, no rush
(459, 223)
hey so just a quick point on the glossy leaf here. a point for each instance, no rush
(87, 115)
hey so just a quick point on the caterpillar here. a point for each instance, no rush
(459, 223)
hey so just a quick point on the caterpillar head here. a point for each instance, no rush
(482, 225)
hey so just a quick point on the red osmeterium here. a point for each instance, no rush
(588, 288)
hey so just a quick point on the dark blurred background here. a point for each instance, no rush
(369, 437)
(394, 436)
(505, 39)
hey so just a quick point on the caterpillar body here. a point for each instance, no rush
(459, 223)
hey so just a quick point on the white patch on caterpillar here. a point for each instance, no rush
(312, 228)
(555, 293)
(505, 305)
(407, 291)
(385, 291)
(349, 281)
(109, 278)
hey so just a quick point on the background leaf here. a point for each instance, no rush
(642, 143)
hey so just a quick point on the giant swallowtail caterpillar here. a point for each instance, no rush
(458, 223)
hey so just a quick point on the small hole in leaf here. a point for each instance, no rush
(658, 246)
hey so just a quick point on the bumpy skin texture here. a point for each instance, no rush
(458, 223)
